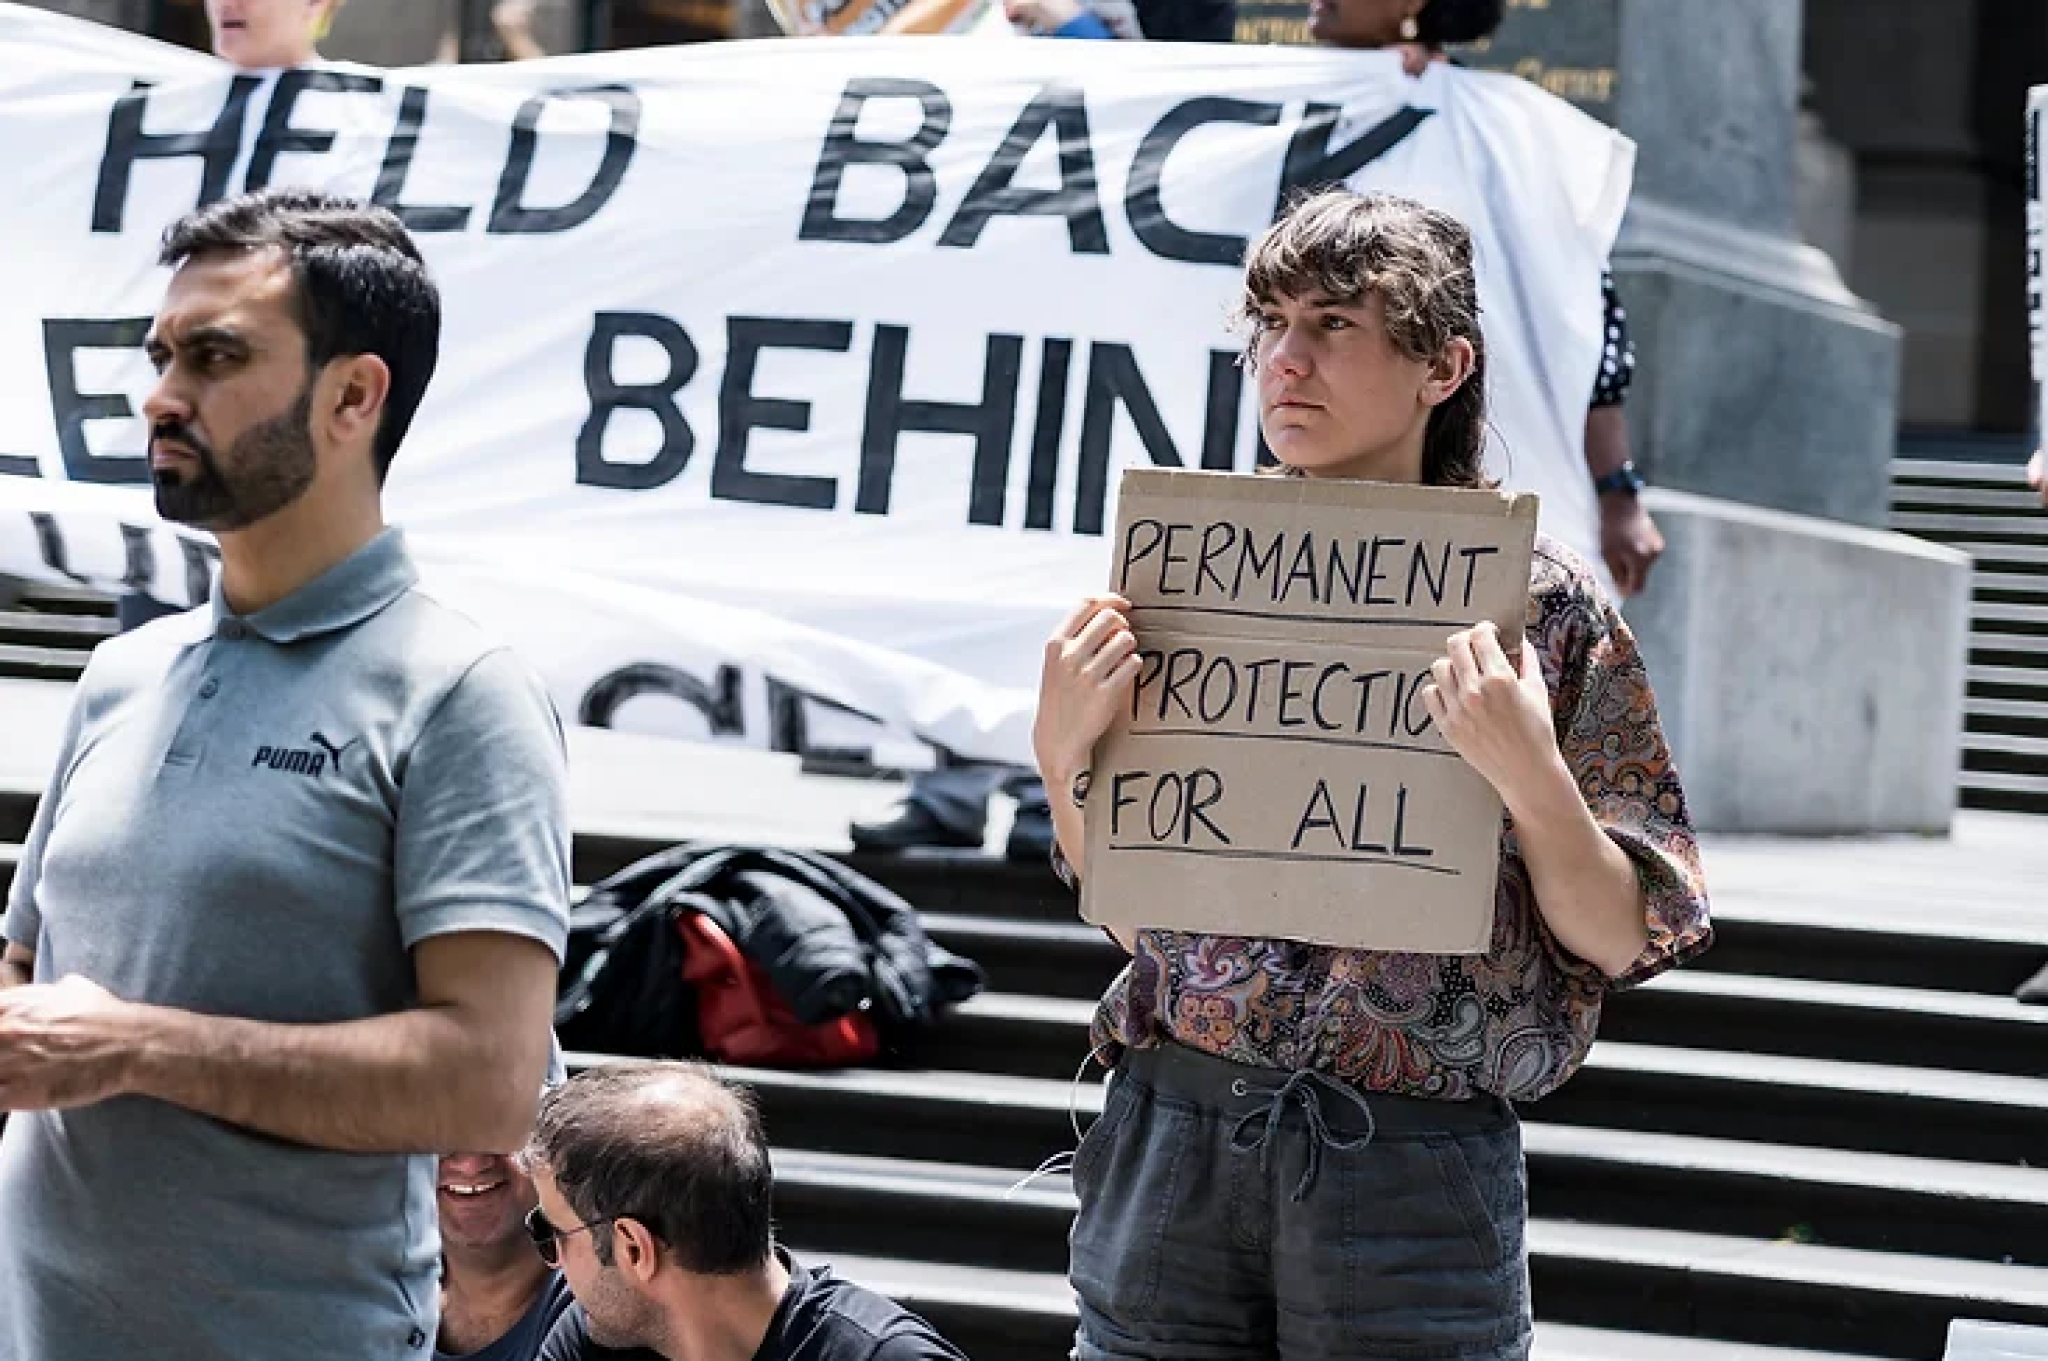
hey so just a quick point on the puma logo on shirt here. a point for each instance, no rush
(333, 750)
(301, 760)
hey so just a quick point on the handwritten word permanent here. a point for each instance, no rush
(1220, 563)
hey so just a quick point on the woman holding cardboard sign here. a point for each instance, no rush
(1309, 1151)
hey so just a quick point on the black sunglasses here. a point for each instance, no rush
(547, 1239)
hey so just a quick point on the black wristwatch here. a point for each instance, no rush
(1624, 479)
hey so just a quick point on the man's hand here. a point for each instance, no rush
(1630, 542)
(1496, 715)
(2037, 475)
(63, 1044)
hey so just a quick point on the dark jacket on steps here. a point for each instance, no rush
(830, 939)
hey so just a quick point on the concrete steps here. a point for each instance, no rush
(1748, 1289)
(1987, 510)
(1630, 1177)
(1015, 1316)
(42, 663)
(48, 632)
(1737, 1013)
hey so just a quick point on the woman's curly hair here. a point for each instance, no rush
(1418, 263)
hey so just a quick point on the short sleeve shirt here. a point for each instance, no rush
(260, 816)
(1617, 351)
(1513, 1022)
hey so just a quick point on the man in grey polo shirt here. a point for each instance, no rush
(289, 917)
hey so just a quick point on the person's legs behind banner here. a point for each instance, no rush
(948, 808)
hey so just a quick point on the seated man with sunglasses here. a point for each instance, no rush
(654, 1192)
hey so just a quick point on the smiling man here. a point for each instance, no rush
(498, 1298)
(289, 916)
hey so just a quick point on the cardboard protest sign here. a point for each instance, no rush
(1278, 774)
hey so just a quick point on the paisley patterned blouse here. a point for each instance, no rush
(1516, 1021)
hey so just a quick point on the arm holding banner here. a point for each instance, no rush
(17, 966)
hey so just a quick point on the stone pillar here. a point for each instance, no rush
(1825, 189)
(1762, 378)
(1928, 99)
(1764, 386)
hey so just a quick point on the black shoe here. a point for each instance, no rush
(912, 826)
(2035, 989)
(1030, 835)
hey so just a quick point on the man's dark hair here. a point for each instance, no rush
(667, 1144)
(1444, 22)
(361, 286)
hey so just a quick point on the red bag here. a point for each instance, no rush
(743, 1020)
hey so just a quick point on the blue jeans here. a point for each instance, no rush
(1230, 1213)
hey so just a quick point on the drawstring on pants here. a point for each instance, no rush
(1300, 1088)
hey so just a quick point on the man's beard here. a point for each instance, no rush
(273, 464)
(618, 1319)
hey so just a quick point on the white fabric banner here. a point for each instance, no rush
(776, 373)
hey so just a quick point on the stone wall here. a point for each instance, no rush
(1809, 674)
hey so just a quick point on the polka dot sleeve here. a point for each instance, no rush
(1617, 354)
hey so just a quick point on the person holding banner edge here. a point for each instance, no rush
(1310, 1152)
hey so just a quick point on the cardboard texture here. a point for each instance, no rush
(1278, 775)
